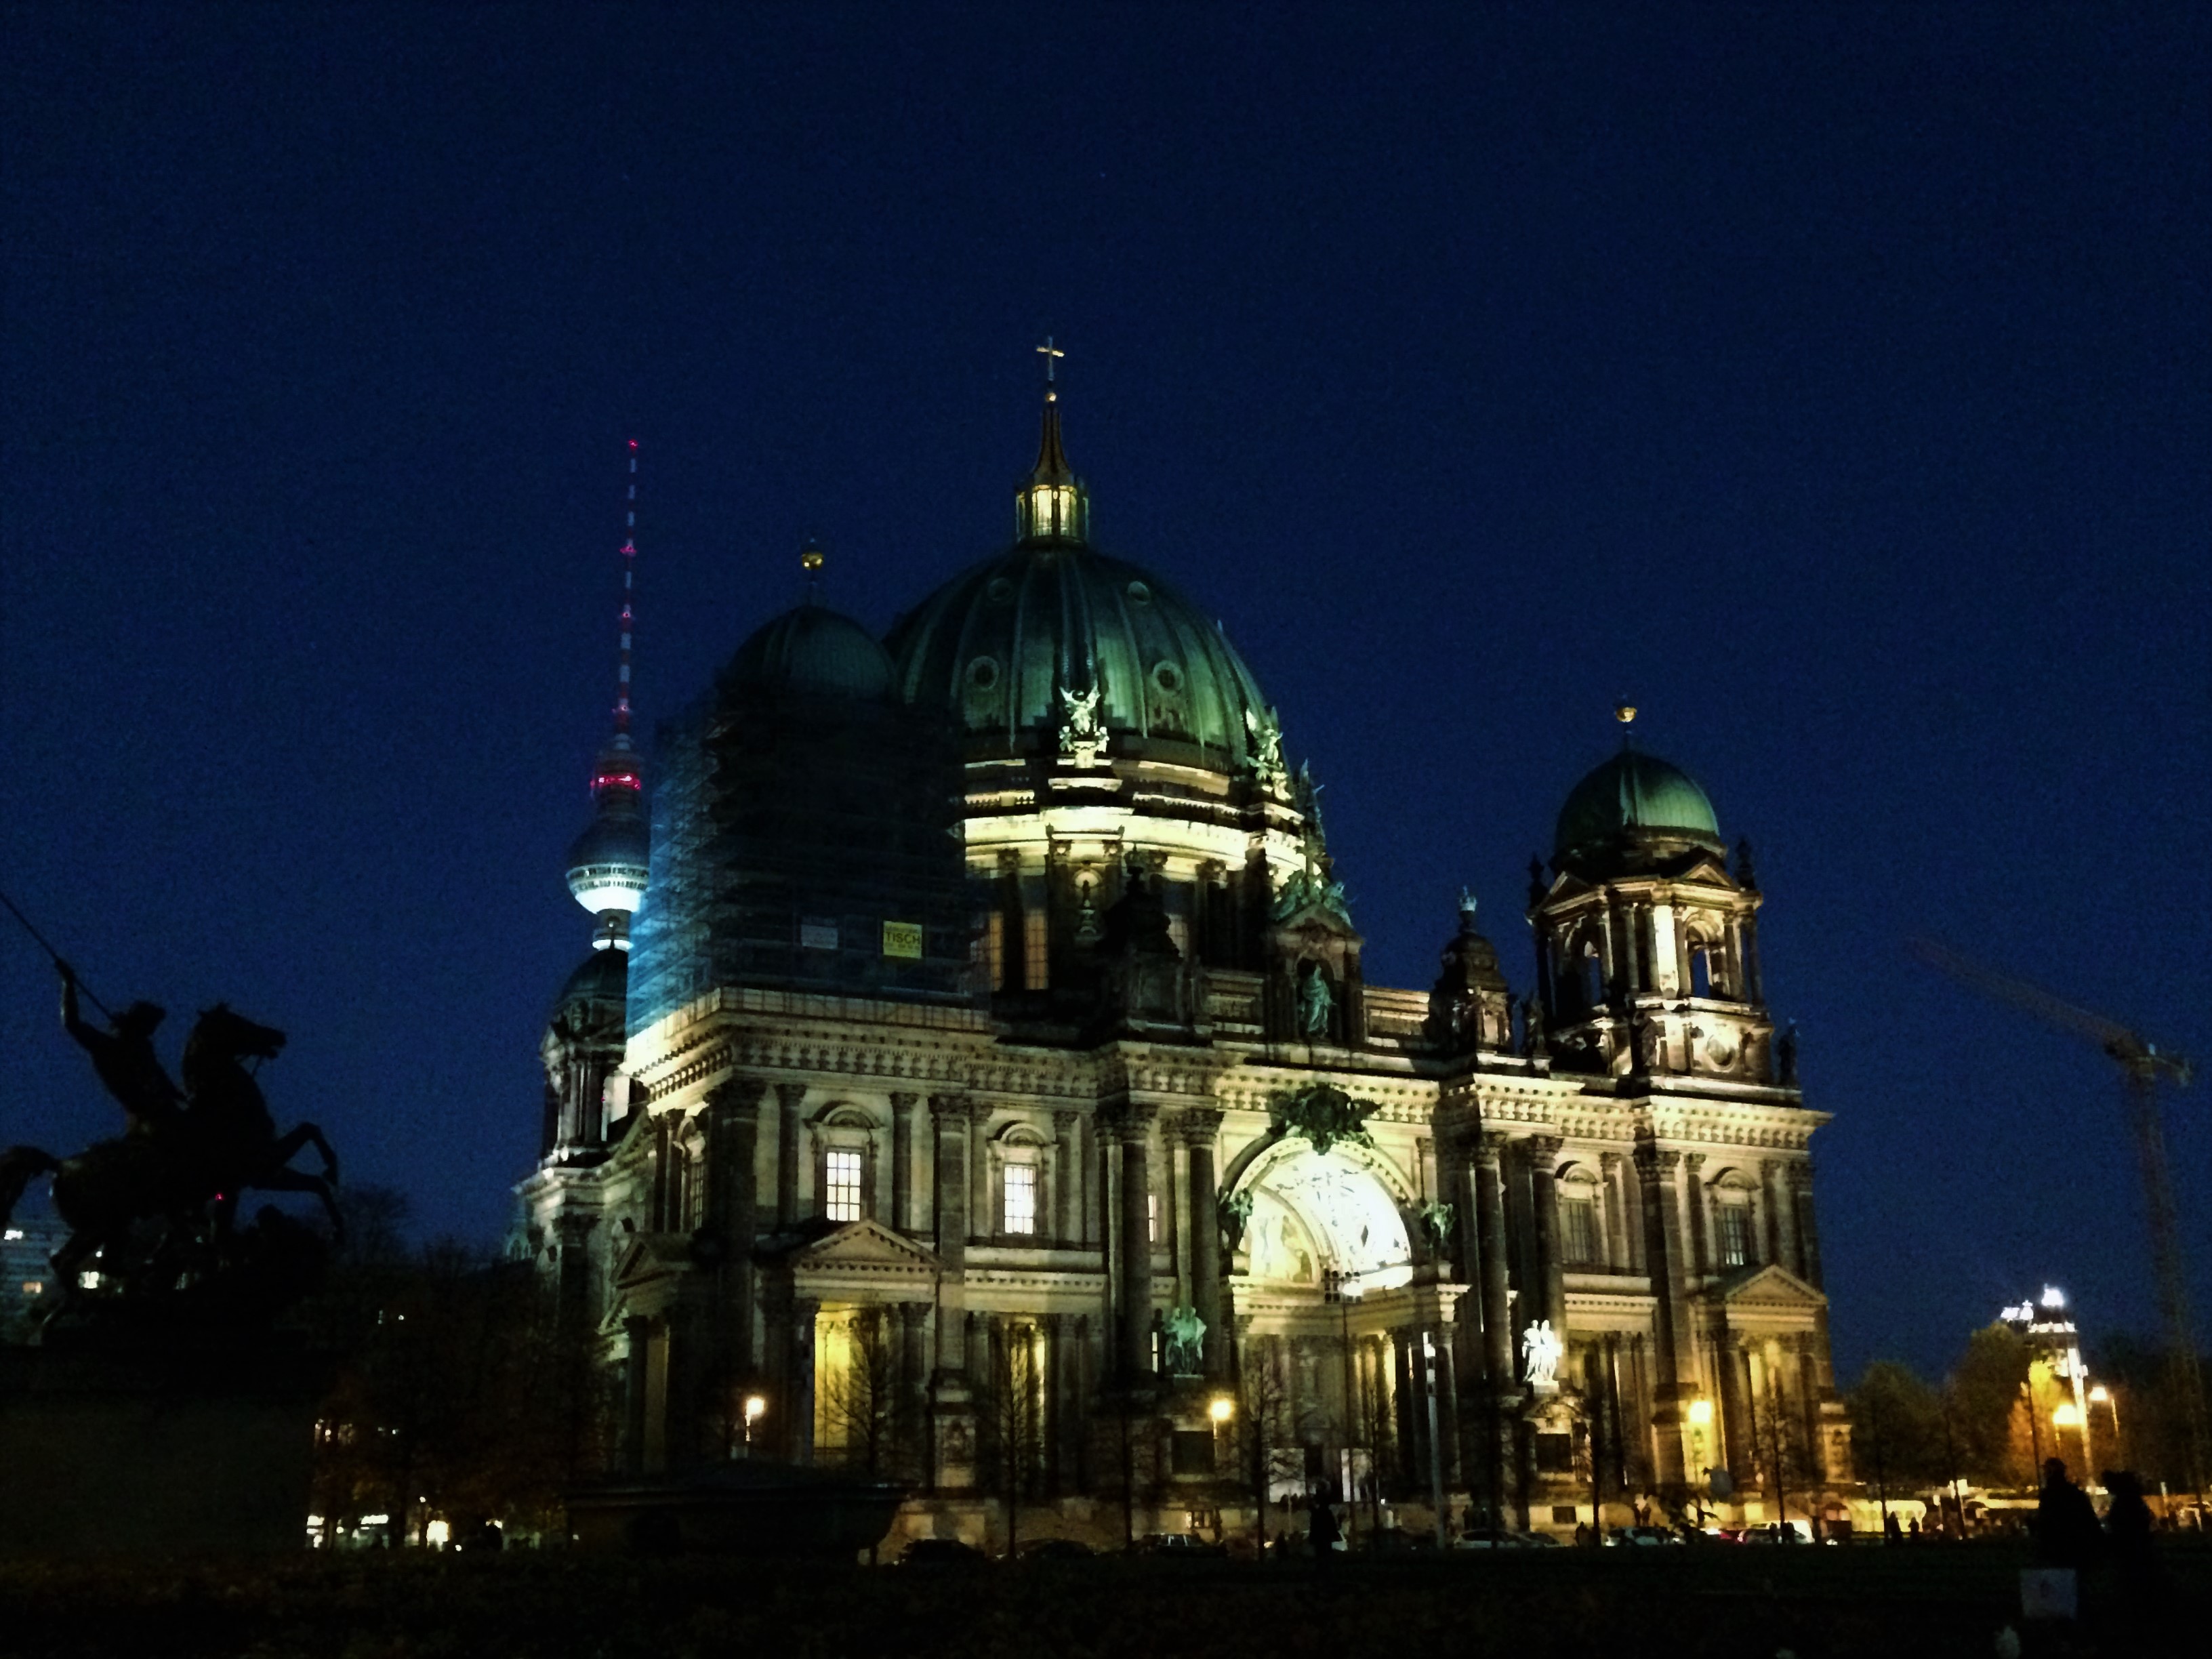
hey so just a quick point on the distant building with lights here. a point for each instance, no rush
(28, 1286)
(974, 1066)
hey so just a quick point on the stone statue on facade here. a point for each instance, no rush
(1267, 733)
(1186, 1344)
(1316, 1003)
(1540, 1349)
(1082, 733)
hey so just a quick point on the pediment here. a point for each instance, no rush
(651, 1257)
(863, 1246)
(1771, 1286)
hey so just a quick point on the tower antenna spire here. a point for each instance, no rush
(629, 579)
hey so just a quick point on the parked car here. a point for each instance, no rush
(1048, 1549)
(1499, 1538)
(1180, 1545)
(941, 1553)
(1636, 1537)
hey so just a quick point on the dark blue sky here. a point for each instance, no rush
(1832, 381)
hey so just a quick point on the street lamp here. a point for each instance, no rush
(1221, 1410)
(2068, 1415)
(756, 1408)
(2101, 1395)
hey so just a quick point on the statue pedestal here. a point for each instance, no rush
(157, 1445)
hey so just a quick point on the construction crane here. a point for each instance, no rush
(2142, 1063)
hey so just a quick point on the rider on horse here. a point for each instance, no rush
(124, 1057)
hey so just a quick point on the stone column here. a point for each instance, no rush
(733, 1215)
(798, 1372)
(1701, 1251)
(573, 1235)
(1199, 1126)
(1655, 1170)
(636, 1374)
(948, 1117)
(789, 1097)
(1132, 1128)
(1542, 1152)
(914, 1380)
(1496, 1293)
(1067, 1177)
(1782, 1211)
(905, 1107)
(1458, 1176)
(1808, 1232)
(1735, 1427)
(1616, 1228)
(983, 1217)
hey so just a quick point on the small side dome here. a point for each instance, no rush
(1635, 798)
(603, 977)
(814, 650)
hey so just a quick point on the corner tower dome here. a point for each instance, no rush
(1631, 810)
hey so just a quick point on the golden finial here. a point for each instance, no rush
(811, 557)
(1624, 713)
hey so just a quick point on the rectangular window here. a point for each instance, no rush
(841, 1176)
(1735, 1235)
(995, 950)
(1578, 1218)
(1037, 947)
(1021, 1198)
(35, 1287)
(1153, 1217)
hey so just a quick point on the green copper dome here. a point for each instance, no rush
(1050, 630)
(811, 650)
(1635, 797)
(998, 644)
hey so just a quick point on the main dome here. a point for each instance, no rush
(998, 644)
(1634, 796)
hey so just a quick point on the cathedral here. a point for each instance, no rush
(974, 1084)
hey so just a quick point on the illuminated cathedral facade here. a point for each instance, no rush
(974, 1085)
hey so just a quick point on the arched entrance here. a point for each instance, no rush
(1330, 1304)
(1315, 1214)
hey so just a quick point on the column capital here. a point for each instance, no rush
(1543, 1146)
(1129, 1120)
(1065, 1121)
(1695, 1162)
(1652, 1161)
(791, 1095)
(904, 1100)
(1196, 1126)
(1492, 1145)
(952, 1111)
(1610, 1163)
(738, 1094)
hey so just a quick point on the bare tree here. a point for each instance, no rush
(1015, 1419)
(859, 1397)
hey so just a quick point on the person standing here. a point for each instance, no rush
(2066, 1530)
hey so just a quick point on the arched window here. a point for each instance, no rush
(1593, 978)
(844, 1164)
(1701, 970)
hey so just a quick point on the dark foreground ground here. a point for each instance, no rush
(1924, 1601)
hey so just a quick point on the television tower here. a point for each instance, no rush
(607, 863)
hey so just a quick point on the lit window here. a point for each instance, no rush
(995, 950)
(35, 1287)
(1735, 1235)
(1153, 1217)
(844, 1186)
(1037, 947)
(1021, 1198)
(1579, 1217)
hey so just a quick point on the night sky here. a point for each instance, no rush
(1830, 381)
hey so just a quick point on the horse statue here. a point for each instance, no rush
(228, 1124)
(188, 1169)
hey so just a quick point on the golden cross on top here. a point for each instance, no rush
(1049, 351)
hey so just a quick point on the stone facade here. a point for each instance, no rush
(1017, 1230)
